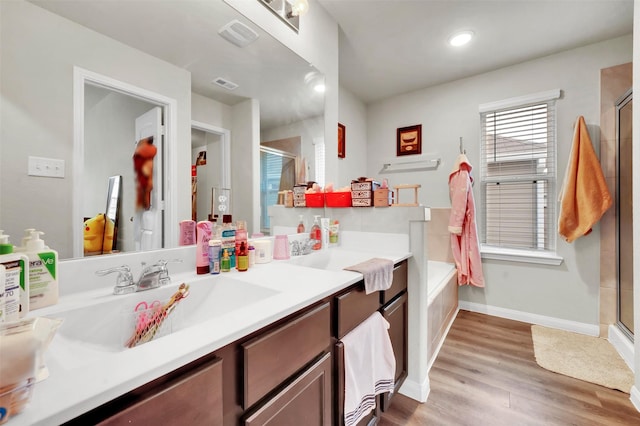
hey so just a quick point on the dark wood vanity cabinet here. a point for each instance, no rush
(354, 306)
(290, 372)
(189, 395)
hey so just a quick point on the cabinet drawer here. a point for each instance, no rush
(398, 285)
(307, 400)
(353, 307)
(276, 355)
(193, 399)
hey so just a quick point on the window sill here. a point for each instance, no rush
(525, 256)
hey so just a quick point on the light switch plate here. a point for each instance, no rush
(47, 167)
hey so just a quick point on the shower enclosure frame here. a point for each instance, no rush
(621, 102)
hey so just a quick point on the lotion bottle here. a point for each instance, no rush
(43, 272)
(203, 235)
(16, 290)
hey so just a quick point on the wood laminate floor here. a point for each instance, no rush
(486, 374)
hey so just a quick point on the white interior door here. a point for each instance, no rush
(148, 224)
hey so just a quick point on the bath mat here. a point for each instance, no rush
(587, 358)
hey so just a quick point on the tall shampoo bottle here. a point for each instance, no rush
(203, 235)
(16, 281)
(43, 272)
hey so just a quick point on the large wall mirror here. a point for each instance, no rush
(169, 48)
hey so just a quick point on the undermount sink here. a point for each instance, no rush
(108, 325)
(332, 259)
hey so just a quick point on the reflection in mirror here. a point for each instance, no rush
(210, 168)
(113, 123)
(279, 172)
(179, 57)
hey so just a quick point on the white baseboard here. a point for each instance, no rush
(415, 390)
(551, 322)
(624, 347)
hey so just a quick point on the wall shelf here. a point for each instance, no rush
(421, 163)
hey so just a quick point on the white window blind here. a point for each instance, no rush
(319, 161)
(518, 176)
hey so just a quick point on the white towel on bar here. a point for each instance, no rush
(378, 273)
(369, 367)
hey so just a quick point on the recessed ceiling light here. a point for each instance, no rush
(461, 38)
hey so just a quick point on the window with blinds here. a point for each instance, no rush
(319, 154)
(518, 176)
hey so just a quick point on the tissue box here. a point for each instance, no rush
(314, 199)
(338, 199)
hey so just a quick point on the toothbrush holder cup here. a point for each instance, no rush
(281, 247)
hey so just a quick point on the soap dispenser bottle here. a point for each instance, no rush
(301, 225)
(16, 279)
(316, 233)
(43, 272)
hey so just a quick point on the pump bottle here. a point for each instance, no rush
(16, 289)
(43, 272)
(316, 233)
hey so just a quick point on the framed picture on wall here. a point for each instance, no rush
(409, 140)
(341, 140)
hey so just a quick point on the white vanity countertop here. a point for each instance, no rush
(83, 377)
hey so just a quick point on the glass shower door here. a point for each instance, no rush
(624, 109)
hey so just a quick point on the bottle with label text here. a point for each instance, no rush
(243, 257)
(241, 238)
(225, 261)
(16, 280)
(228, 238)
(43, 272)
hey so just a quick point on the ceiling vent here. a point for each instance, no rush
(238, 33)
(229, 85)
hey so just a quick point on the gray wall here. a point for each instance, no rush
(39, 51)
(449, 111)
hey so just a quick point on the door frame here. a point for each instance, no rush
(225, 148)
(81, 77)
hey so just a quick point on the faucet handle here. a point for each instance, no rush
(164, 272)
(124, 281)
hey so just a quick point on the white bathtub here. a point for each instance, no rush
(442, 308)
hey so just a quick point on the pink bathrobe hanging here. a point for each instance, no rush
(462, 225)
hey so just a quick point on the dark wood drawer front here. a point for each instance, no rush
(275, 356)
(398, 285)
(396, 314)
(307, 400)
(354, 307)
(195, 399)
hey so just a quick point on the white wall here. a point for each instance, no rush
(353, 114)
(39, 51)
(317, 43)
(209, 111)
(245, 162)
(449, 111)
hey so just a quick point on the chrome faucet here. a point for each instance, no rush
(299, 248)
(152, 276)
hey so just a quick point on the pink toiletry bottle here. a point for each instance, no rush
(203, 235)
(187, 232)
